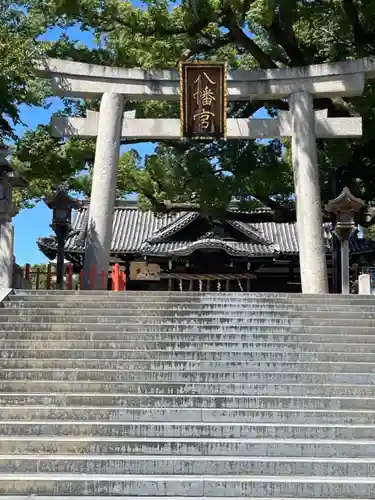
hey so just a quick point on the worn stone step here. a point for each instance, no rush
(189, 388)
(165, 306)
(176, 346)
(213, 301)
(188, 485)
(115, 350)
(193, 366)
(29, 445)
(191, 401)
(102, 323)
(189, 327)
(179, 342)
(160, 304)
(186, 415)
(250, 430)
(189, 321)
(185, 366)
(176, 328)
(168, 315)
(123, 497)
(45, 304)
(175, 376)
(164, 348)
(187, 295)
(277, 340)
(207, 401)
(171, 321)
(169, 465)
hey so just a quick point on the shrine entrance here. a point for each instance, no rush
(206, 116)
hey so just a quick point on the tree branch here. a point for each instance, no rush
(283, 34)
(239, 37)
(364, 40)
(281, 214)
(108, 24)
(181, 145)
(199, 48)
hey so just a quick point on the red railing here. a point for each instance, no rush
(45, 279)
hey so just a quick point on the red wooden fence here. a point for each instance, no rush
(118, 278)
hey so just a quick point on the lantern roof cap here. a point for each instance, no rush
(60, 199)
(345, 202)
(5, 165)
(15, 177)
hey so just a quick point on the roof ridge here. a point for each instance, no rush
(173, 227)
(249, 231)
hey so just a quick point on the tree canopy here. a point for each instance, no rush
(158, 34)
(19, 51)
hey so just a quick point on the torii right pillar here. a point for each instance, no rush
(307, 189)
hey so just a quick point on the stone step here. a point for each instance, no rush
(29, 445)
(162, 306)
(216, 342)
(277, 340)
(186, 415)
(189, 327)
(197, 321)
(124, 497)
(191, 401)
(160, 303)
(42, 291)
(168, 315)
(249, 430)
(184, 295)
(222, 344)
(170, 465)
(117, 350)
(183, 301)
(188, 485)
(175, 376)
(185, 389)
(185, 366)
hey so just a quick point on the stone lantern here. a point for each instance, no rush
(61, 205)
(8, 180)
(6, 204)
(345, 206)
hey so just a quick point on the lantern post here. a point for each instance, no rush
(345, 206)
(61, 205)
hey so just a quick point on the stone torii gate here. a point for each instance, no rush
(302, 123)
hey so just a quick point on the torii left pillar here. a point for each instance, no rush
(307, 189)
(103, 191)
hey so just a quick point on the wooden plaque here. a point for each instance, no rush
(203, 104)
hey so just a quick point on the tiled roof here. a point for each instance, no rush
(183, 248)
(131, 227)
(136, 231)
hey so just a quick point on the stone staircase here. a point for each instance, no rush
(173, 395)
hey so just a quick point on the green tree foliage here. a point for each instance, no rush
(247, 34)
(19, 53)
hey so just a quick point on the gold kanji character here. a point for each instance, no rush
(206, 76)
(205, 96)
(204, 117)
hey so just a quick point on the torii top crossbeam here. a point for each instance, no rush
(74, 79)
